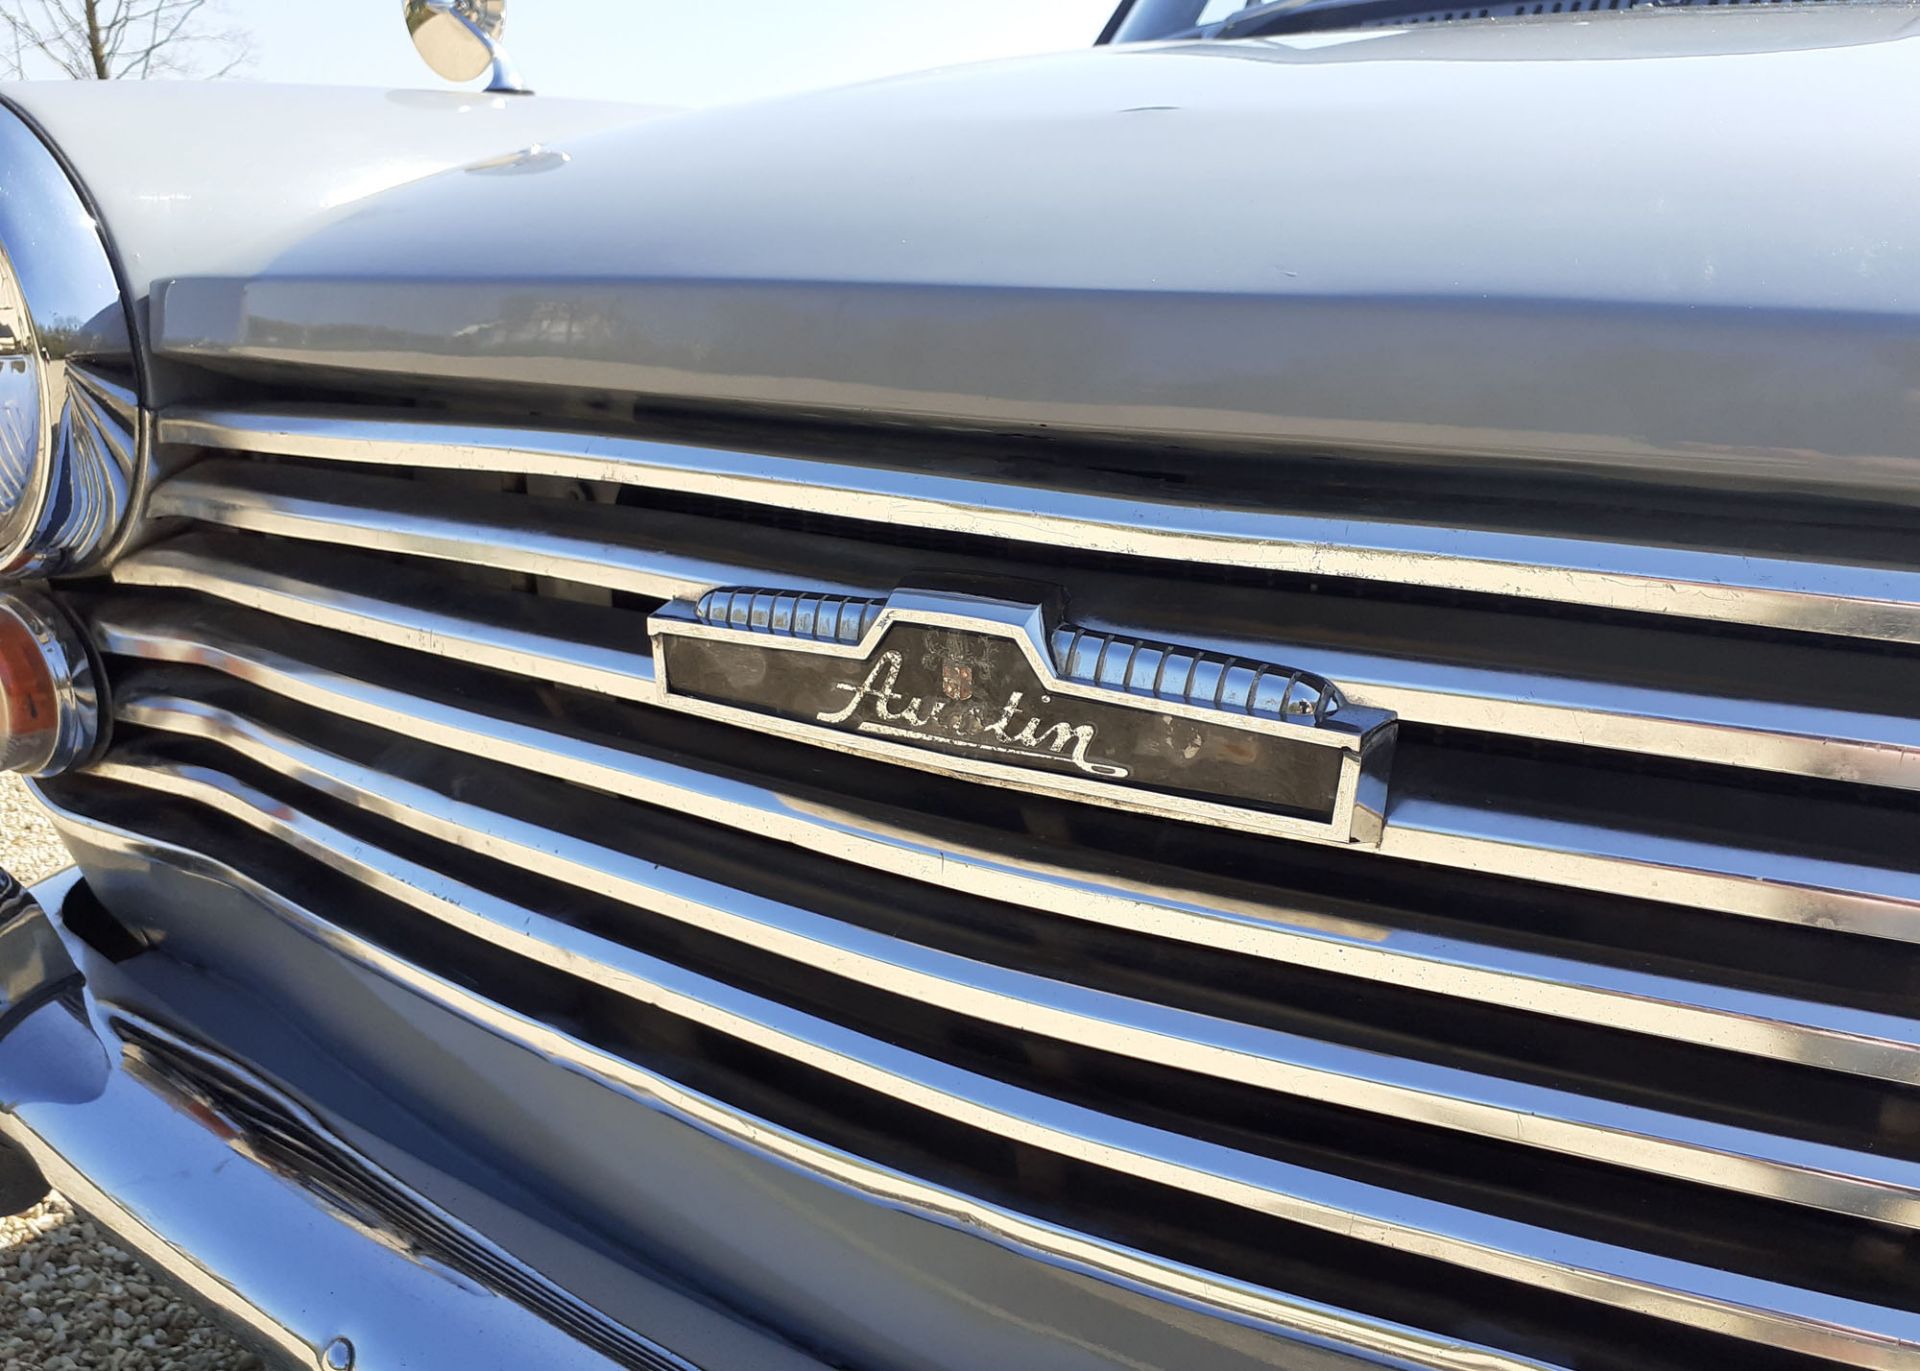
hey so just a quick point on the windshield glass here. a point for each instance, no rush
(1146, 20)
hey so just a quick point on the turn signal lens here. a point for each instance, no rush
(49, 702)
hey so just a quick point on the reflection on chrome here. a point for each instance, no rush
(71, 466)
(1733, 1158)
(329, 1233)
(20, 381)
(842, 764)
(1546, 698)
(1685, 1292)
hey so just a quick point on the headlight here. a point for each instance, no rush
(69, 459)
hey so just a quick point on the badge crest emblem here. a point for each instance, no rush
(1001, 691)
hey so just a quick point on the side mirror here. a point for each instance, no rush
(461, 38)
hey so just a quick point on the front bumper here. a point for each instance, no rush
(309, 1250)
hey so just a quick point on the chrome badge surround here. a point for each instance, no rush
(1003, 691)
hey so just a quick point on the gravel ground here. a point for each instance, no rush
(68, 1297)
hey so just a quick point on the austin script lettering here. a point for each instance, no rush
(877, 707)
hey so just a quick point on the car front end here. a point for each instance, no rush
(1227, 702)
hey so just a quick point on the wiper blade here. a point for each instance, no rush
(1306, 16)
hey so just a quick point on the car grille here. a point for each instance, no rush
(1604, 1057)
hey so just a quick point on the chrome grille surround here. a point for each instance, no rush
(1659, 877)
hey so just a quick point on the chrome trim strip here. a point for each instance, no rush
(385, 514)
(269, 1126)
(1813, 892)
(1809, 1033)
(367, 614)
(253, 497)
(1738, 1159)
(1173, 673)
(1813, 1323)
(1854, 601)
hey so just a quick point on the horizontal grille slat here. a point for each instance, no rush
(1868, 602)
(1791, 888)
(1700, 1297)
(371, 600)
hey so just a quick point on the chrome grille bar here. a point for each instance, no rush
(1880, 603)
(398, 630)
(1786, 887)
(376, 604)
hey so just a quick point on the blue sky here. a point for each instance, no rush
(693, 52)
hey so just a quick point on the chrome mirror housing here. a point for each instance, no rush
(460, 39)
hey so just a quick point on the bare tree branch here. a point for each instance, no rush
(102, 40)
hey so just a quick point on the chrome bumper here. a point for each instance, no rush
(308, 1249)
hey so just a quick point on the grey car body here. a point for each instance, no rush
(427, 996)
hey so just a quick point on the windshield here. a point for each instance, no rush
(1146, 20)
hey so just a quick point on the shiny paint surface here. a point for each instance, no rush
(225, 176)
(1257, 243)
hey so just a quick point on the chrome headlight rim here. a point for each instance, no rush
(72, 330)
(24, 406)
